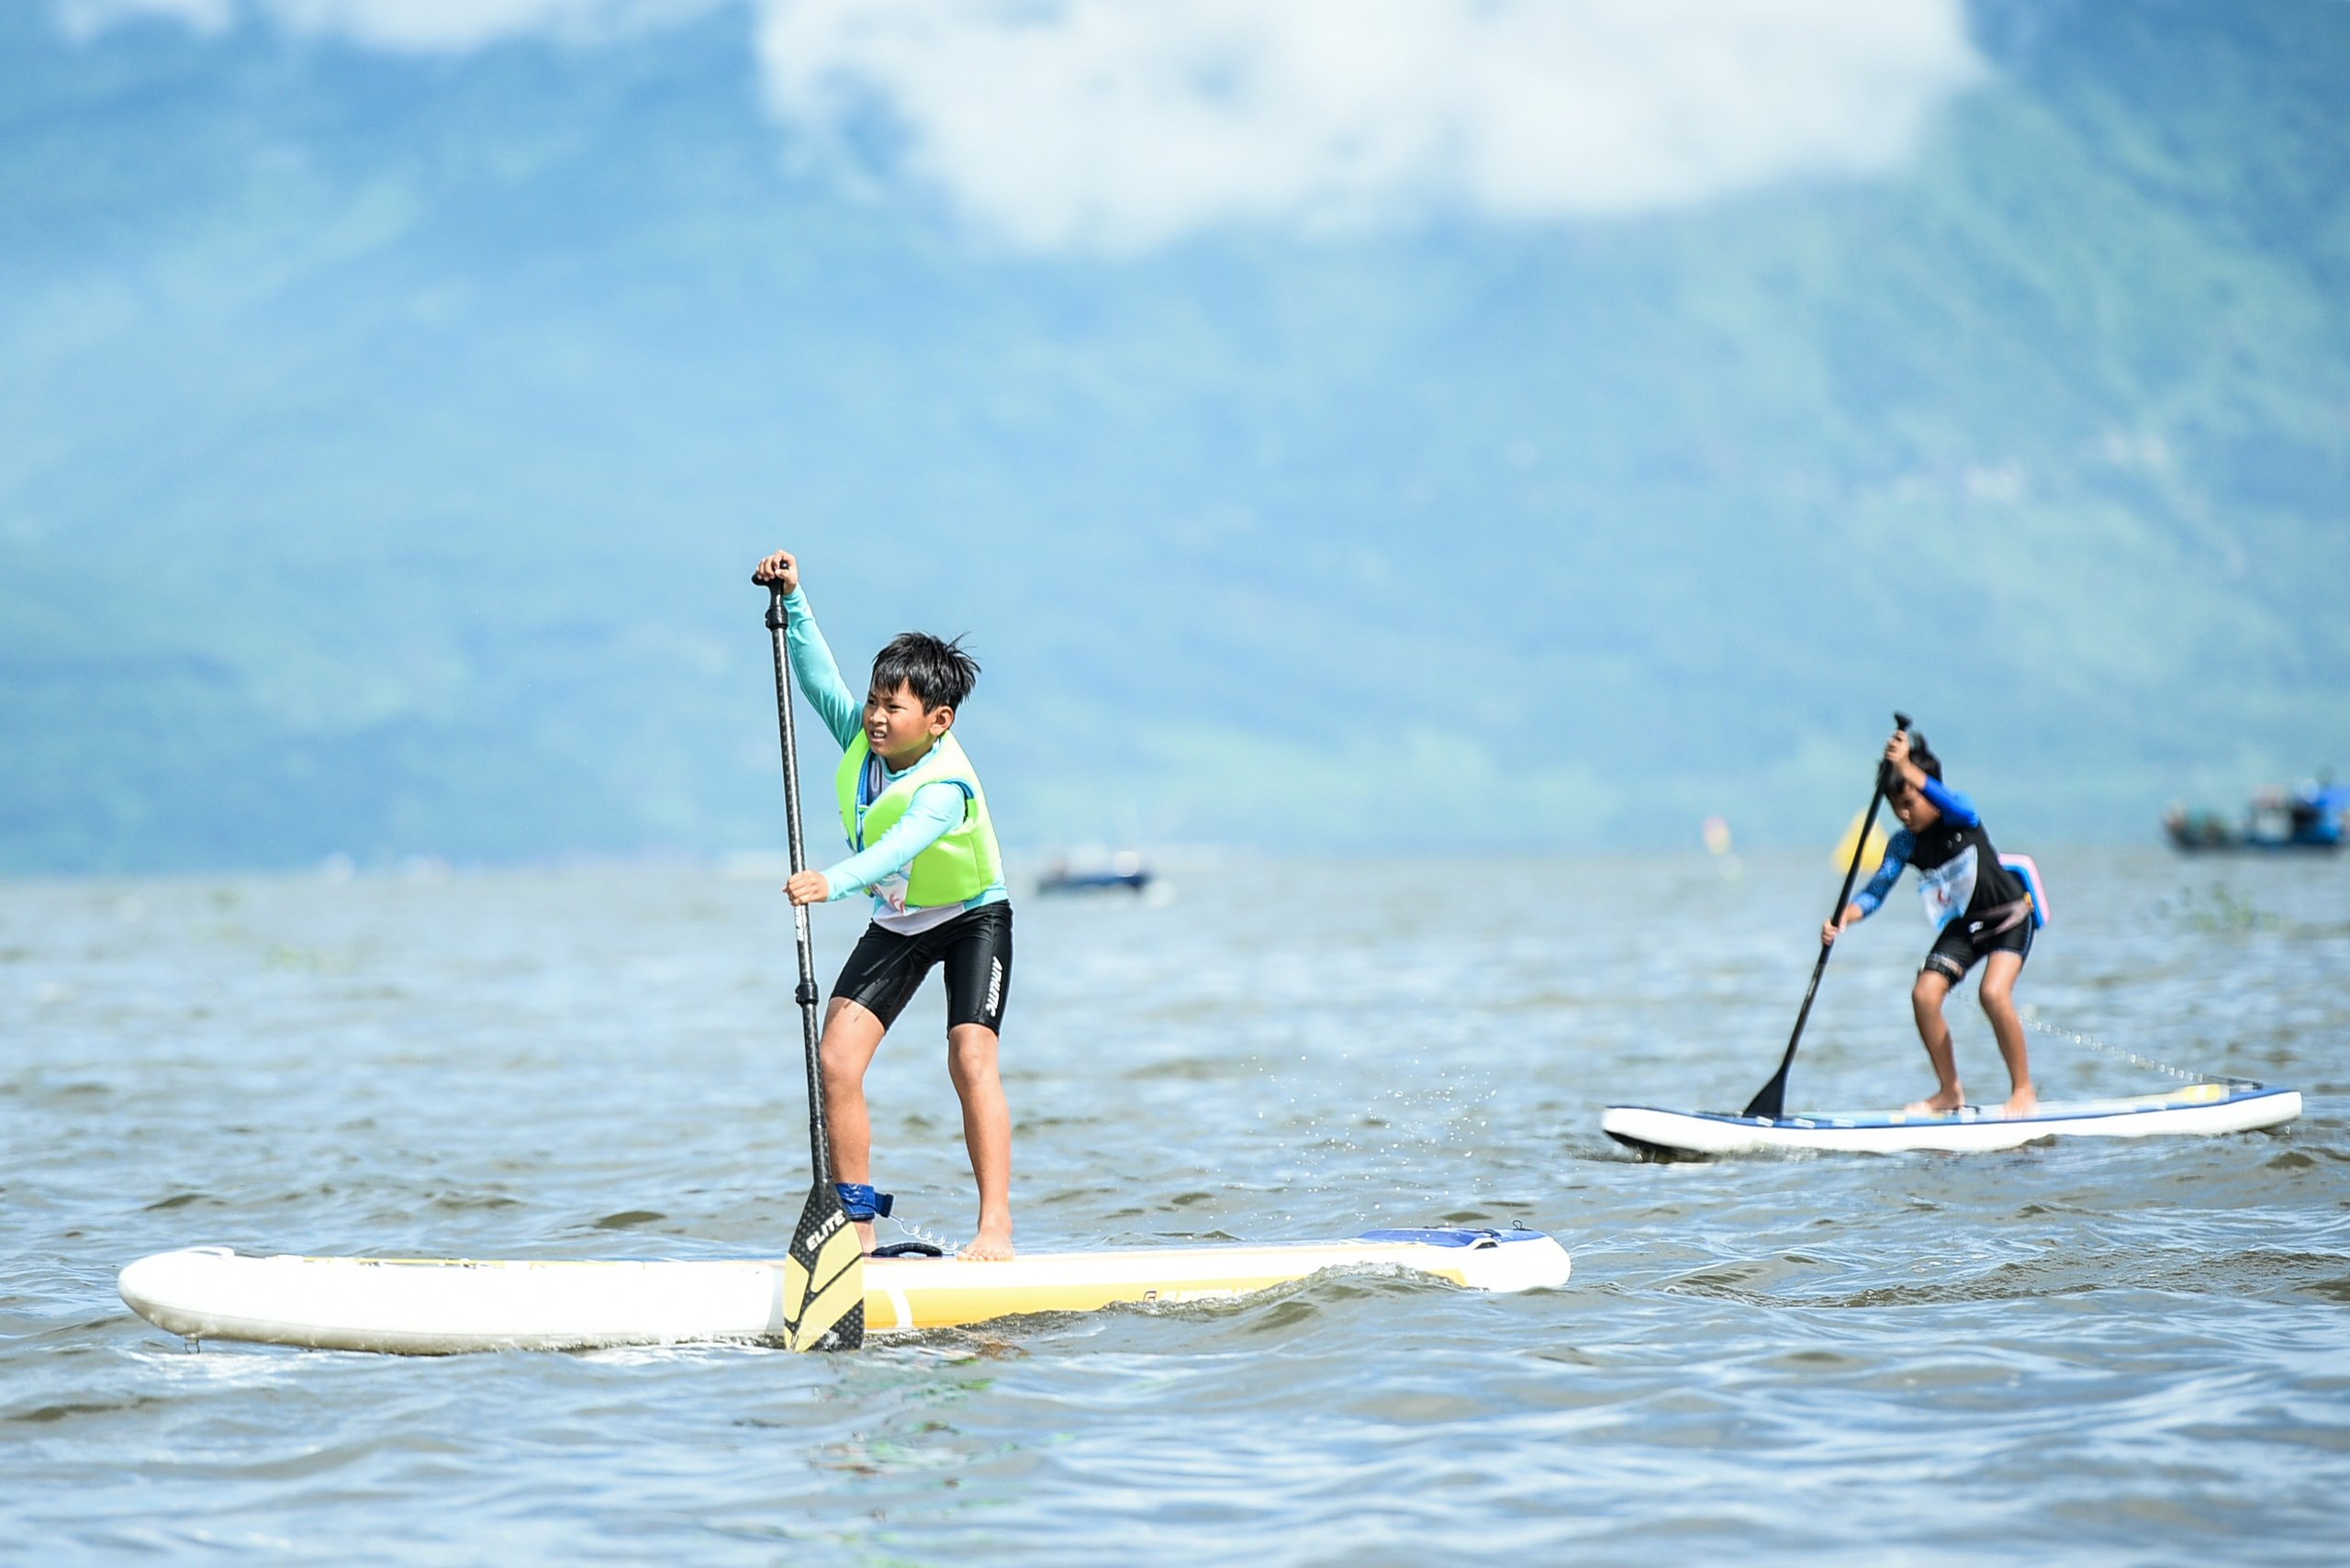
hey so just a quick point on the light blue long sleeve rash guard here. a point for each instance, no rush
(933, 812)
(1952, 804)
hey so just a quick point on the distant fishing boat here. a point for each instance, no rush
(2307, 818)
(1125, 873)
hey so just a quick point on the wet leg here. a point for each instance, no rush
(852, 1034)
(1999, 994)
(1926, 1001)
(986, 1133)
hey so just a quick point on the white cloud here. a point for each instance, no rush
(1122, 124)
(1125, 123)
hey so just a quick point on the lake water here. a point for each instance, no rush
(2073, 1352)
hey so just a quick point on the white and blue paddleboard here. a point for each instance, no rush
(2195, 1109)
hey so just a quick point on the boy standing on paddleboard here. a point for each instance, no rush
(1980, 908)
(917, 822)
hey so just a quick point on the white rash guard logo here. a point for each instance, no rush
(1948, 888)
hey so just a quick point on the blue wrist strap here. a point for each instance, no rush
(861, 1201)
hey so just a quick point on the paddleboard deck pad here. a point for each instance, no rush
(427, 1306)
(2195, 1109)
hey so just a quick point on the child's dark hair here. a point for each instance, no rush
(939, 672)
(1923, 755)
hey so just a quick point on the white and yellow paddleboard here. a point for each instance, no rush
(2196, 1109)
(421, 1306)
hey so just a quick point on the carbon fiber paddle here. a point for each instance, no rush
(823, 1272)
(1770, 1100)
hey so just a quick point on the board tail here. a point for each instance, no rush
(2025, 867)
(823, 1305)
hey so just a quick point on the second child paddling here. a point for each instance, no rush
(1980, 909)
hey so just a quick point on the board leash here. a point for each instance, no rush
(2189, 1075)
(945, 1247)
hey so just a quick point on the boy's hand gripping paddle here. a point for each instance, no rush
(1770, 1100)
(824, 1273)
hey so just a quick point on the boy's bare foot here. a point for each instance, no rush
(864, 1234)
(1940, 1105)
(2024, 1101)
(994, 1244)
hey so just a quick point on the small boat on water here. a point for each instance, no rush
(2310, 817)
(433, 1306)
(1125, 873)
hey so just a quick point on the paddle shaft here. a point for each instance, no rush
(1771, 1098)
(820, 1144)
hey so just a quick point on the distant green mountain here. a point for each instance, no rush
(385, 445)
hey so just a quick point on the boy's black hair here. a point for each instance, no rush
(940, 672)
(1923, 755)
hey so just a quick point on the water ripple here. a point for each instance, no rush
(2073, 1352)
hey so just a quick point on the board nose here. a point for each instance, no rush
(147, 1286)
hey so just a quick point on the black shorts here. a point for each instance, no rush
(1956, 949)
(887, 968)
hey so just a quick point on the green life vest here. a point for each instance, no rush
(965, 862)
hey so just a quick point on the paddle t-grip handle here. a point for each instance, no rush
(1885, 769)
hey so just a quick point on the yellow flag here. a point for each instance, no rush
(1878, 837)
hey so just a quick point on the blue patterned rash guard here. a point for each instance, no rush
(1959, 873)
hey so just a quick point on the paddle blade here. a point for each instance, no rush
(1770, 1100)
(823, 1278)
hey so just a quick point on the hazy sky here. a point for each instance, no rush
(1725, 374)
